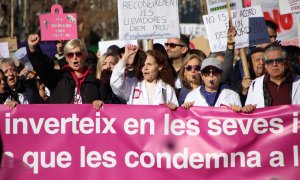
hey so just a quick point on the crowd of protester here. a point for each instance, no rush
(172, 74)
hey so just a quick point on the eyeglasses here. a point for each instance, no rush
(272, 61)
(190, 67)
(207, 72)
(70, 55)
(173, 45)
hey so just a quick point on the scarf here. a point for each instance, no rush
(78, 80)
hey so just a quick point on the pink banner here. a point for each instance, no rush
(149, 142)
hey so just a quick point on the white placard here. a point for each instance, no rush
(4, 52)
(193, 29)
(287, 23)
(151, 19)
(288, 6)
(249, 23)
(216, 6)
(104, 45)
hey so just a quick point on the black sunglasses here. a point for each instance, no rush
(70, 55)
(277, 61)
(190, 67)
(206, 72)
(173, 45)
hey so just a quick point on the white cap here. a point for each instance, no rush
(211, 62)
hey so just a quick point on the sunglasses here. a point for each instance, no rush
(272, 61)
(173, 45)
(190, 67)
(273, 37)
(207, 72)
(70, 55)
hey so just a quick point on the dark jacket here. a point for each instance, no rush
(61, 83)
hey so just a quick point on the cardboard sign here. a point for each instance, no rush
(249, 23)
(215, 6)
(4, 52)
(201, 43)
(57, 25)
(287, 7)
(150, 19)
(104, 45)
(12, 43)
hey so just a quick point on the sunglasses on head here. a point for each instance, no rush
(70, 55)
(173, 45)
(190, 67)
(277, 61)
(206, 72)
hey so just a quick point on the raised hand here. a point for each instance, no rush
(33, 40)
(130, 50)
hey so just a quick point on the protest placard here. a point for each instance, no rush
(201, 143)
(249, 23)
(287, 23)
(4, 52)
(103, 45)
(58, 25)
(287, 6)
(151, 19)
(215, 6)
(201, 43)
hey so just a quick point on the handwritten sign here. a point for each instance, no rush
(287, 7)
(214, 6)
(57, 25)
(152, 19)
(249, 23)
(4, 52)
(104, 45)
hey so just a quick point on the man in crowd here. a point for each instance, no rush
(177, 49)
(278, 86)
(19, 85)
(257, 69)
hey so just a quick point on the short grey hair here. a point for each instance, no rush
(275, 48)
(73, 43)
(9, 61)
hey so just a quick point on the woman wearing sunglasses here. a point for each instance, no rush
(189, 76)
(74, 83)
(152, 84)
(211, 92)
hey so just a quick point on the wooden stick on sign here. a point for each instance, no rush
(12, 19)
(242, 50)
(150, 44)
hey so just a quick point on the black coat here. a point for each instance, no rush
(61, 83)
